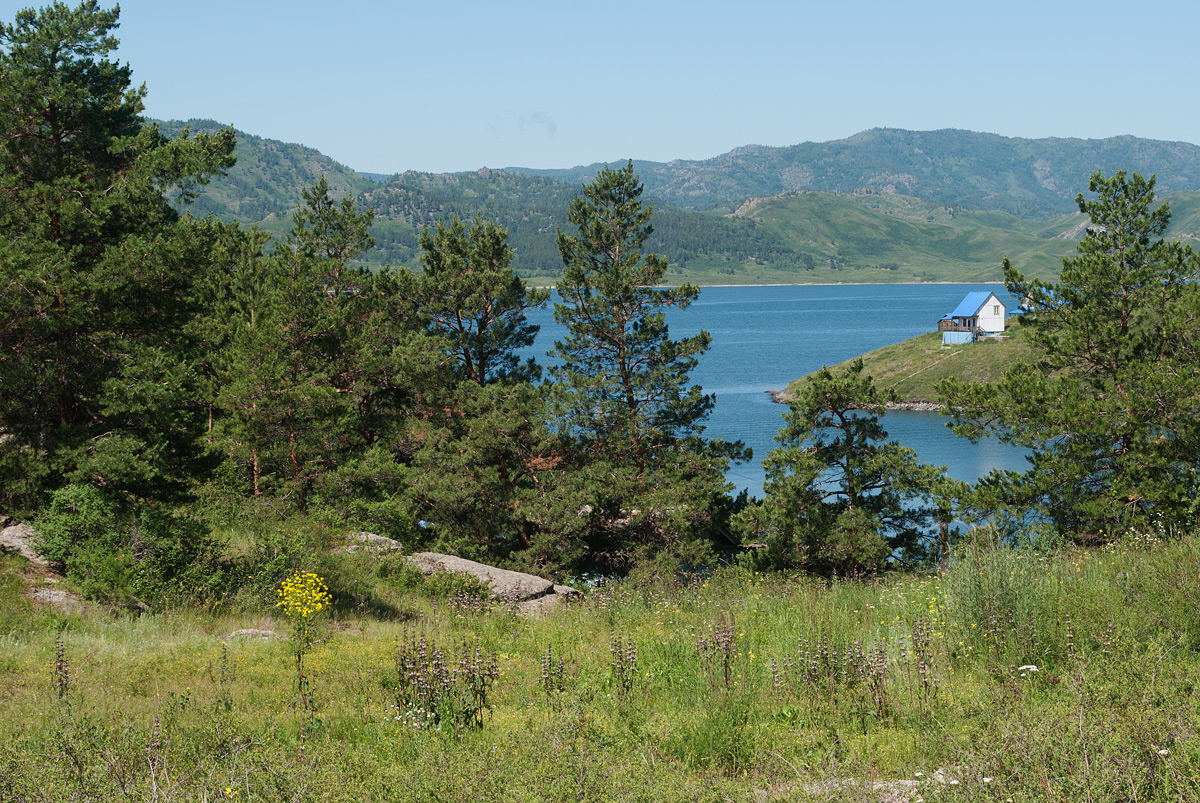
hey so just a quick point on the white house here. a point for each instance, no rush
(980, 312)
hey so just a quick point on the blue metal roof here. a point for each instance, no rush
(971, 304)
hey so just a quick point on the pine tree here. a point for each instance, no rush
(626, 378)
(839, 496)
(99, 275)
(315, 363)
(476, 302)
(623, 383)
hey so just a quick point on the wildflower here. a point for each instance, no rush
(1027, 668)
(302, 595)
(987, 780)
(1164, 752)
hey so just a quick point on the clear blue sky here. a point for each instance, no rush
(450, 86)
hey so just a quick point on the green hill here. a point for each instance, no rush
(868, 239)
(264, 185)
(915, 366)
(1032, 178)
(534, 208)
(873, 234)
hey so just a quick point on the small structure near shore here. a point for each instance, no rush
(979, 313)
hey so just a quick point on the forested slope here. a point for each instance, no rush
(1026, 177)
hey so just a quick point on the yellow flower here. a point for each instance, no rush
(302, 595)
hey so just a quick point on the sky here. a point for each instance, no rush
(455, 86)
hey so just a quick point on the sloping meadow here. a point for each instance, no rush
(1022, 675)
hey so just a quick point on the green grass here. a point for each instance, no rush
(914, 367)
(922, 241)
(169, 707)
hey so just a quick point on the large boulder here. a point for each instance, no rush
(21, 538)
(505, 585)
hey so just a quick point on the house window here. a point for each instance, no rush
(996, 309)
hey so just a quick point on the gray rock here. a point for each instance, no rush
(250, 632)
(902, 791)
(505, 585)
(567, 591)
(60, 600)
(21, 538)
(537, 608)
(374, 544)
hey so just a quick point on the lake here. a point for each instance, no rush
(764, 337)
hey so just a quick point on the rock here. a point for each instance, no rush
(60, 600)
(537, 608)
(374, 544)
(265, 635)
(903, 791)
(21, 538)
(527, 594)
(505, 585)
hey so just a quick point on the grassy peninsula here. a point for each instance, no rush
(915, 366)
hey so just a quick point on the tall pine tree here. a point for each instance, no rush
(98, 273)
(623, 383)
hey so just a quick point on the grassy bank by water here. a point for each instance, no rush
(1016, 676)
(915, 366)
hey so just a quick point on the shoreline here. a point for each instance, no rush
(801, 284)
(916, 406)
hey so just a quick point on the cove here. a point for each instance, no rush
(764, 337)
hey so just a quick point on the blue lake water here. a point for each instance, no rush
(764, 337)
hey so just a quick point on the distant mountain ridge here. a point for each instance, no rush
(1025, 177)
(757, 227)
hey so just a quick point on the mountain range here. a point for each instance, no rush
(885, 205)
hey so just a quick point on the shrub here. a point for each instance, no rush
(78, 515)
(116, 554)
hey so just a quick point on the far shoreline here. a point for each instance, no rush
(912, 405)
(800, 284)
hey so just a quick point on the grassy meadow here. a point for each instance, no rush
(1018, 675)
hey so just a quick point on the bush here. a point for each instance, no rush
(78, 515)
(115, 554)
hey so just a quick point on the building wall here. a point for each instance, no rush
(991, 315)
(957, 338)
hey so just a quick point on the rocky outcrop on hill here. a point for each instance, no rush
(514, 586)
(60, 599)
(532, 595)
(20, 538)
(528, 594)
